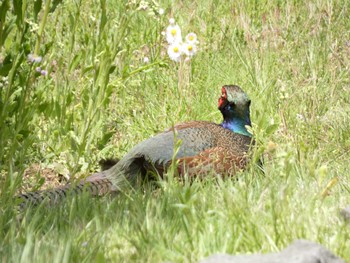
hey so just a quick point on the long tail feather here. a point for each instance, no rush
(96, 185)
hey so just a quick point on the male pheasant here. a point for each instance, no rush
(205, 148)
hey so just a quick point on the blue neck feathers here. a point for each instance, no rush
(237, 126)
(236, 122)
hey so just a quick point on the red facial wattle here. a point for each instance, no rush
(223, 98)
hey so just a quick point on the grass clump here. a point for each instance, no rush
(75, 87)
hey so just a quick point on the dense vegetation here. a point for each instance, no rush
(75, 87)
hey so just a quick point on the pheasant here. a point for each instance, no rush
(205, 148)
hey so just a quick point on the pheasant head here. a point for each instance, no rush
(234, 105)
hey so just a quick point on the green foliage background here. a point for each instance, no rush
(99, 99)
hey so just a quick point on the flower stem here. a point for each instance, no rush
(42, 26)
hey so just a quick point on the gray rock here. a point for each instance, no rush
(300, 251)
(346, 213)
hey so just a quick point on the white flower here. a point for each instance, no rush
(175, 51)
(145, 60)
(43, 72)
(191, 38)
(300, 117)
(189, 49)
(34, 58)
(161, 11)
(171, 21)
(173, 34)
(143, 5)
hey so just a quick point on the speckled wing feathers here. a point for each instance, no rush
(217, 160)
(205, 146)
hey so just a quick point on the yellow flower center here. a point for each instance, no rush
(176, 49)
(191, 38)
(189, 47)
(173, 32)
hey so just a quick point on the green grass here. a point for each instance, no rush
(99, 99)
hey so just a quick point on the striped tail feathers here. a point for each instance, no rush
(96, 185)
(118, 178)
